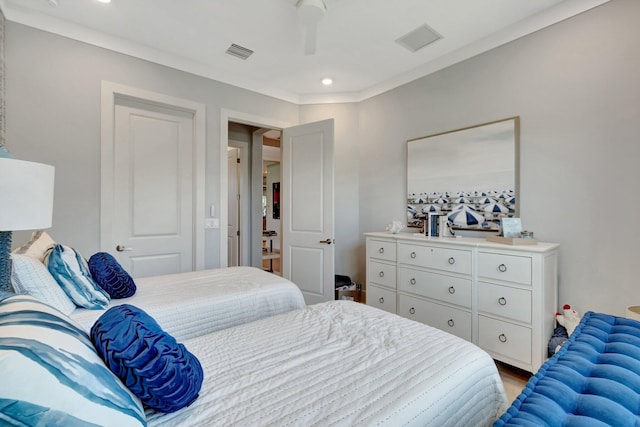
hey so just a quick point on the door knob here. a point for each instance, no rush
(327, 241)
(122, 248)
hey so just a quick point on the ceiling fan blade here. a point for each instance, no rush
(311, 33)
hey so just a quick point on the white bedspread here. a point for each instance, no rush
(196, 303)
(340, 364)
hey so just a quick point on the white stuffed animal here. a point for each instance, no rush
(570, 319)
(394, 227)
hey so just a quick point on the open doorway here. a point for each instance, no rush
(250, 148)
(306, 196)
(271, 225)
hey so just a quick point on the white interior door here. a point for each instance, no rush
(233, 228)
(307, 192)
(153, 189)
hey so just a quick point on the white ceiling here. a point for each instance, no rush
(355, 39)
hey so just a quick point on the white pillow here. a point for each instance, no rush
(52, 375)
(30, 276)
(37, 247)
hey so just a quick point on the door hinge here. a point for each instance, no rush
(238, 233)
(238, 160)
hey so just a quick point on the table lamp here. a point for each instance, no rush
(26, 203)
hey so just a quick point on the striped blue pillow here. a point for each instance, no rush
(72, 273)
(51, 374)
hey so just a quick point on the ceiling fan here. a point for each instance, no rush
(310, 12)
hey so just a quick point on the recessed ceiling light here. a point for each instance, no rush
(104, 1)
(327, 81)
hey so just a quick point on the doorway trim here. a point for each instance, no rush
(110, 93)
(227, 116)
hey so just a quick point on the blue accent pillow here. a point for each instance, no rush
(160, 371)
(51, 374)
(110, 276)
(72, 273)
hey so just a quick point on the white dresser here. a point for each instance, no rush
(501, 297)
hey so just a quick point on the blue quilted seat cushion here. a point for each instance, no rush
(593, 380)
(161, 372)
(110, 276)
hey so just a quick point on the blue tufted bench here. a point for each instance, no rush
(593, 380)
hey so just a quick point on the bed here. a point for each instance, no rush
(340, 363)
(185, 304)
(196, 303)
(593, 380)
(337, 363)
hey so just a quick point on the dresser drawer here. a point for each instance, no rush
(510, 268)
(451, 260)
(381, 298)
(505, 338)
(381, 249)
(454, 321)
(450, 289)
(382, 273)
(504, 301)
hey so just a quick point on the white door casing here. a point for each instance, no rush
(233, 226)
(152, 181)
(307, 197)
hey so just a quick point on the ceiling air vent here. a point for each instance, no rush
(239, 51)
(419, 38)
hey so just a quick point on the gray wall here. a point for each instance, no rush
(53, 116)
(576, 89)
(2, 82)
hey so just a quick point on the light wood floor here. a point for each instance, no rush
(514, 380)
(276, 265)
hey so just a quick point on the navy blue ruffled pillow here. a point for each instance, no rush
(110, 276)
(160, 371)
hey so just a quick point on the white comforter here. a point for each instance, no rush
(196, 303)
(340, 364)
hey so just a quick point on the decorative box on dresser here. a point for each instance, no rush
(501, 297)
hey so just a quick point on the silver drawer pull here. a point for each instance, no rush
(502, 338)
(412, 310)
(381, 300)
(502, 301)
(412, 255)
(502, 268)
(381, 250)
(450, 322)
(412, 281)
(452, 290)
(381, 274)
(452, 260)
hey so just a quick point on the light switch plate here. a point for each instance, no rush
(211, 223)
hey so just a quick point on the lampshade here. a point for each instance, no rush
(26, 195)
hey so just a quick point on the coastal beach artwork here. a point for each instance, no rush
(468, 175)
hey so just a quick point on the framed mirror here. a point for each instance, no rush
(469, 175)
